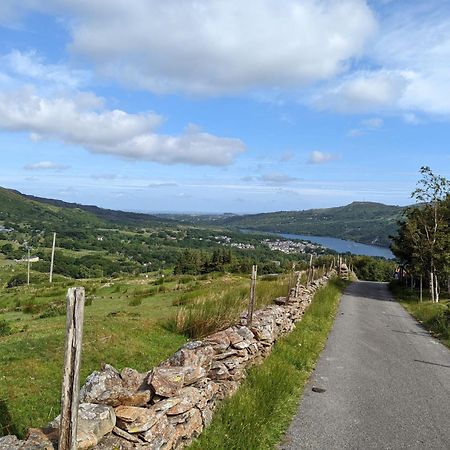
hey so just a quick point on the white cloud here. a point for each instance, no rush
(114, 132)
(31, 66)
(364, 92)
(46, 165)
(215, 46)
(318, 157)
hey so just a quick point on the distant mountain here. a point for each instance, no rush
(366, 222)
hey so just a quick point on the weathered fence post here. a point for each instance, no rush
(71, 377)
(251, 303)
(309, 270)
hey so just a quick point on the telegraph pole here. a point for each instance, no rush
(53, 257)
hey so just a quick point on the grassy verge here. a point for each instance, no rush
(257, 416)
(433, 316)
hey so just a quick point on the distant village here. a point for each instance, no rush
(281, 245)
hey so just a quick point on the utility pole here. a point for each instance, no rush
(28, 267)
(53, 257)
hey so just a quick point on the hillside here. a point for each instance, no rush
(42, 212)
(366, 222)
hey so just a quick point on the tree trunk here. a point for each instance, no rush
(436, 291)
(432, 286)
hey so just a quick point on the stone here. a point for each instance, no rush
(207, 415)
(10, 443)
(242, 345)
(220, 340)
(218, 372)
(124, 435)
(190, 397)
(160, 435)
(41, 439)
(114, 442)
(137, 420)
(224, 355)
(193, 354)
(246, 333)
(94, 422)
(191, 428)
(194, 373)
(107, 387)
(167, 381)
(233, 335)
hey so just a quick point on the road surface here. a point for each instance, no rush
(386, 381)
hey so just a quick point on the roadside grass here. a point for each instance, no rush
(435, 317)
(204, 314)
(258, 415)
(122, 327)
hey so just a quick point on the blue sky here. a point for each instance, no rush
(223, 106)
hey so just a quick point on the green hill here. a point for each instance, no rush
(366, 222)
(42, 213)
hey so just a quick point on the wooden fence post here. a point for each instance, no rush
(71, 377)
(309, 270)
(251, 303)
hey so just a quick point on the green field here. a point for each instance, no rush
(128, 323)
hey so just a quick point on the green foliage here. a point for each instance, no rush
(423, 242)
(259, 413)
(372, 269)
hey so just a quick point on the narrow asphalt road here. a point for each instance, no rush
(386, 381)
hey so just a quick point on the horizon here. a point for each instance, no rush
(207, 119)
(204, 213)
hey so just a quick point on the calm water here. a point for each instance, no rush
(343, 246)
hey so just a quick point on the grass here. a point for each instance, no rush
(435, 317)
(202, 314)
(258, 415)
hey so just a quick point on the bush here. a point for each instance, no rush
(136, 301)
(5, 328)
(53, 310)
(17, 280)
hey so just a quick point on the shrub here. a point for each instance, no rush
(53, 310)
(136, 301)
(5, 328)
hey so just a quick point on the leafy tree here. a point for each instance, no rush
(423, 244)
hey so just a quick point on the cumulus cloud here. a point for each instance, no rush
(318, 157)
(46, 165)
(114, 132)
(215, 46)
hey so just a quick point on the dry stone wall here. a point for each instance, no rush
(169, 406)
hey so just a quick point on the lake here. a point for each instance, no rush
(343, 246)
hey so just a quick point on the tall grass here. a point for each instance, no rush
(212, 310)
(257, 416)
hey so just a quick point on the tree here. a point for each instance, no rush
(423, 243)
